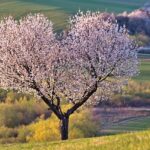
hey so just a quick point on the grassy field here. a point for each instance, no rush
(144, 67)
(130, 141)
(59, 10)
(131, 124)
(144, 75)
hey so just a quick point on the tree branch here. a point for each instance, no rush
(92, 66)
(89, 92)
(52, 106)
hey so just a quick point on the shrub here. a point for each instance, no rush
(23, 133)
(84, 125)
(7, 132)
(20, 113)
(81, 125)
(135, 94)
(3, 94)
(44, 130)
(9, 115)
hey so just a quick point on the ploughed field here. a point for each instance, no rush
(59, 10)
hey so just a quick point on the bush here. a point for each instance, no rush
(44, 130)
(136, 94)
(20, 113)
(23, 133)
(8, 132)
(9, 115)
(81, 125)
(8, 135)
(3, 94)
(12, 96)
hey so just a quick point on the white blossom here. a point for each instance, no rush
(88, 63)
(98, 50)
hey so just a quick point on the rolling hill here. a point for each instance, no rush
(59, 10)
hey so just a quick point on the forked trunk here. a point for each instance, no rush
(64, 128)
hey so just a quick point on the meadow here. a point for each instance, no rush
(144, 66)
(59, 10)
(129, 125)
(129, 141)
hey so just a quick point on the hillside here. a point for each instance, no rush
(143, 12)
(130, 141)
(59, 10)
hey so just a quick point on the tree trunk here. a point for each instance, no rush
(64, 128)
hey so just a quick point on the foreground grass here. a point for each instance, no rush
(130, 141)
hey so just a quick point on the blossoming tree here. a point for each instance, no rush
(88, 63)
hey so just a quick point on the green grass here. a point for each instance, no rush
(144, 67)
(59, 10)
(130, 141)
(144, 75)
(133, 124)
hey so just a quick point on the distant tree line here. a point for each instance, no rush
(135, 25)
